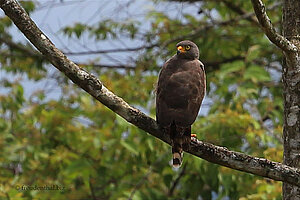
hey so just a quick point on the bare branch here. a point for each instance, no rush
(33, 53)
(265, 22)
(231, 5)
(145, 177)
(19, 47)
(92, 189)
(112, 50)
(198, 31)
(243, 16)
(209, 65)
(88, 82)
(176, 181)
(107, 66)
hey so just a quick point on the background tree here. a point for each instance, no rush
(291, 82)
(75, 142)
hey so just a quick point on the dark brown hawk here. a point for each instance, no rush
(180, 91)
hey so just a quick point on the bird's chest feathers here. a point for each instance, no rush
(182, 71)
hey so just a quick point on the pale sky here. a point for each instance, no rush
(52, 16)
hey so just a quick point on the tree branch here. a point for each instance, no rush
(243, 16)
(265, 22)
(209, 65)
(81, 53)
(92, 189)
(176, 181)
(145, 177)
(6, 40)
(197, 31)
(108, 66)
(88, 82)
(37, 54)
(232, 6)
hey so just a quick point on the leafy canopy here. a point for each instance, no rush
(74, 142)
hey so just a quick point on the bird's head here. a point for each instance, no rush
(187, 49)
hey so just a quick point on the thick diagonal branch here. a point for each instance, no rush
(265, 22)
(88, 82)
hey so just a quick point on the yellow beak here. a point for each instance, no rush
(180, 49)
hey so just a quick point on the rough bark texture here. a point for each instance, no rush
(265, 22)
(290, 44)
(291, 83)
(88, 82)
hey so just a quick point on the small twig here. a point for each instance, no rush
(197, 31)
(107, 66)
(140, 183)
(175, 183)
(210, 65)
(19, 47)
(231, 5)
(81, 53)
(265, 22)
(193, 34)
(92, 189)
(145, 177)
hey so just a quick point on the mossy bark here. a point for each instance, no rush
(291, 83)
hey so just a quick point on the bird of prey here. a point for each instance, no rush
(180, 90)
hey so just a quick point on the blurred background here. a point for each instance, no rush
(53, 133)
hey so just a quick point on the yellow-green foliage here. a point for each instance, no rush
(78, 144)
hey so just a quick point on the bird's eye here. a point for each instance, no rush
(188, 47)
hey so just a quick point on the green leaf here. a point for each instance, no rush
(29, 6)
(130, 147)
(256, 74)
(253, 53)
(78, 29)
(63, 136)
(229, 68)
(167, 179)
(82, 166)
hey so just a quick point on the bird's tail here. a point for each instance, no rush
(177, 154)
(181, 138)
